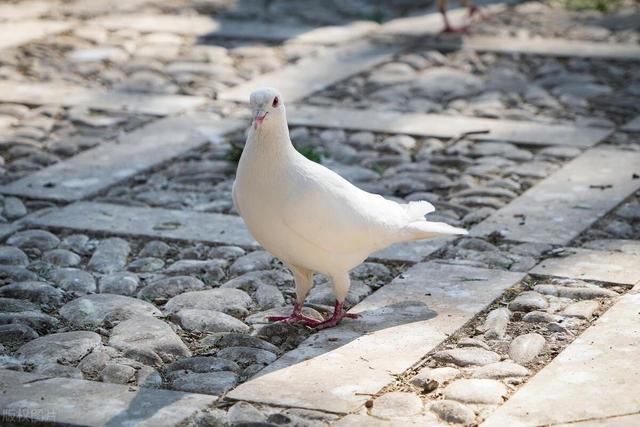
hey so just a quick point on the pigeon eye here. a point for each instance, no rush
(276, 101)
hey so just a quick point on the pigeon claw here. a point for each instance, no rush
(296, 317)
(339, 313)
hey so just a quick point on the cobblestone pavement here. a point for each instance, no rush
(131, 293)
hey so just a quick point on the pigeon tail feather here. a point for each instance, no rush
(417, 210)
(428, 230)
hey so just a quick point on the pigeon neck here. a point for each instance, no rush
(271, 136)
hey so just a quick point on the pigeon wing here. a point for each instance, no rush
(332, 214)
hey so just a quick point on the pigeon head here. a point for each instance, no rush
(267, 107)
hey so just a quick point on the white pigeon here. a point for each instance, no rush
(309, 216)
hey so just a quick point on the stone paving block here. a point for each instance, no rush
(336, 34)
(595, 377)
(560, 207)
(631, 247)
(16, 33)
(254, 30)
(632, 125)
(620, 421)
(410, 251)
(539, 46)
(148, 222)
(111, 162)
(399, 324)
(27, 399)
(27, 10)
(443, 126)
(310, 75)
(67, 95)
(584, 264)
(200, 26)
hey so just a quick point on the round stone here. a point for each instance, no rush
(244, 413)
(37, 292)
(120, 283)
(117, 374)
(528, 301)
(92, 310)
(257, 260)
(203, 364)
(215, 383)
(34, 319)
(467, 356)
(268, 297)
(526, 347)
(38, 239)
(61, 258)
(155, 248)
(110, 256)
(440, 375)
(195, 320)
(229, 253)
(65, 347)
(396, 404)
(476, 391)
(245, 356)
(453, 412)
(230, 301)
(10, 255)
(501, 370)
(144, 265)
(148, 340)
(169, 287)
(16, 333)
(73, 279)
(237, 340)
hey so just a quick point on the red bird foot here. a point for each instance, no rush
(448, 29)
(296, 317)
(339, 313)
(475, 10)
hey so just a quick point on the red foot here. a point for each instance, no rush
(475, 10)
(296, 317)
(339, 313)
(448, 29)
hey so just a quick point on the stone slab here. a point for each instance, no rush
(538, 46)
(617, 421)
(148, 222)
(559, 208)
(411, 252)
(595, 377)
(442, 126)
(199, 25)
(111, 162)
(310, 75)
(26, 10)
(27, 399)
(631, 247)
(632, 125)
(68, 95)
(585, 264)
(337, 34)
(16, 33)
(254, 30)
(399, 324)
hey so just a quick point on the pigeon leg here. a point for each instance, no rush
(304, 282)
(295, 317)
(442, 7)
(339, 313)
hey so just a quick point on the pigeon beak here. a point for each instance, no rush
(259, 118)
